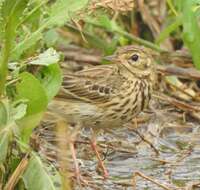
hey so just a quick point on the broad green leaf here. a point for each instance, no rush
(48, 57)
(191, 30)
(32, 90)
(37, 176)
(51, 79)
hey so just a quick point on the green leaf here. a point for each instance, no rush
(37, 176)
(191, 30)
(105, 22)
(33, 13)
(10, 112)
(4, 113)
(50, 75)
(48, 57)
(11, 12)
(18, 111)
(171, 6)
(62, 10)
(168, 30)
(60, 13)
(32, 90)
(27, 124)
(51, 80)
(26, 44)
(5, 136)
(51, 37)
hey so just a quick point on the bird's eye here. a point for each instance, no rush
(134, 57)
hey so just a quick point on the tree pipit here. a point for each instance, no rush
(107, 96)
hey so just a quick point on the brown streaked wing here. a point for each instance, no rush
(96, 85)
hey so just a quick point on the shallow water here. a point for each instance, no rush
(177, 166)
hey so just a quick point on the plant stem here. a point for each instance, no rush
(141, 41)
(131, 37)
(171, 6)
(4, 63)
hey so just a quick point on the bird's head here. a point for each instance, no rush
(135, 60)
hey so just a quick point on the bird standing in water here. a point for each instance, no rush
(107, 96)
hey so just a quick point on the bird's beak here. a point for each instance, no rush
(110, 57)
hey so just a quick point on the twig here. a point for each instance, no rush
(189, 73)
(161, 160)
(14, 178)
(183, 91)
(137, 173)
(143, 138)
(177, 103)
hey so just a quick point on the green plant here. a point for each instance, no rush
(29, 79)
(185, 14)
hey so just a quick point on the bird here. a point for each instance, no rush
(108, 95)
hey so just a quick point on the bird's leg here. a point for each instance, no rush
(73, 152)
(101, 164)
(77, 170)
